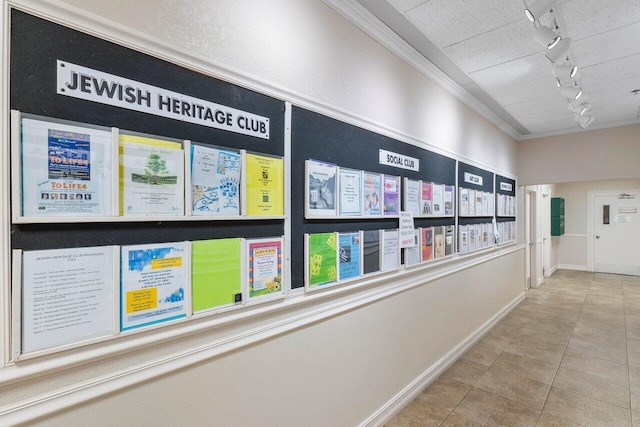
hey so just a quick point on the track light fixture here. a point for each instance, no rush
(563, 81)
(559, 53)
(538, 9)
(571, 92)
(546, 37)
(584, 121)
(570, 71)
(573, 103)
(581, 110)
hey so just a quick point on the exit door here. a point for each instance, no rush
(617, 234)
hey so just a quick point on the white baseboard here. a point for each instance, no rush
(411, 391)
(553, 270)
(576, 267)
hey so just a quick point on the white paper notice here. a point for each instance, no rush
(407, 231)
(67, 296)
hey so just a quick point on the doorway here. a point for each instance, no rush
(614, 226)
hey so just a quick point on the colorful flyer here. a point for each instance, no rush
(448, 200)
(216, 273)
(215, 181)
(349, 251)
(426, 243)
(151, 176)
(350, 192)
(322, 259)
(153, 284)
(66, 169)
(438, 242)
(321, 188)
(391, 195)
(427, 198)
(372, 193)
(264, 185)
(264, 268)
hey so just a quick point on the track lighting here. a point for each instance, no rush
(538, 9)
(569, 71)
(573, 104)
(566, 81)
(581, 110)
(571, 92)
(546, 37)
(583, 122)
(560, 52)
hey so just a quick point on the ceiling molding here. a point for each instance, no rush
(372, 26)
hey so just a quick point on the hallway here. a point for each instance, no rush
(567, 355)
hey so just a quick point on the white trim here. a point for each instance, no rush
(578, 129)
(296, 313)
(5, 191)
(553, 270)
(363, 19)
(584, 236)
(411, 391)
(576, 267)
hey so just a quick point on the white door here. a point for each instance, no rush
(527, 238)
(616, 234)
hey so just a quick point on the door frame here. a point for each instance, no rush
(591, 212)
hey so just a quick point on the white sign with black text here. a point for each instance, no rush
(472, 179)
(396, 160)
(407, 233)
(506, 186)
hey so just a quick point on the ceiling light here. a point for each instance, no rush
(571, 92)
(538, 8)
(581, 110)
(570, 71)
(573, 104)
(559, 53)
(585, 121)
(546, 37)
(564, 81)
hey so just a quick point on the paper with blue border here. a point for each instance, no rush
(153, 284)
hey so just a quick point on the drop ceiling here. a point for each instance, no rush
(487, 48)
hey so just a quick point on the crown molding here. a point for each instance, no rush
(371, 25)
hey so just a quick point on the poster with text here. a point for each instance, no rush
(412, 191)
(215, 181)
(264, 186)
(448, 199)
(412, 254)
(151, 176)
(438, 199)
(390, 250)
(264, 268)
(426, 243)
(67, 296)
(427, 198)
(350, 192)
(66, 169)
(153, 284)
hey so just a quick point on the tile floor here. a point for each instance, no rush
(568, 355)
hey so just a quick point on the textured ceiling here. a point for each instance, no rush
(491, 43)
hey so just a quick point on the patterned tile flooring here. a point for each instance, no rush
(568, 355)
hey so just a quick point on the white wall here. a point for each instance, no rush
(349, 363)
(585, 156)
(572, 247)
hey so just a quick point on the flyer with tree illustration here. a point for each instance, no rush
(153, 284)
(151, 176)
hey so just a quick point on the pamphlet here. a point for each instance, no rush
(216, 273)
(412, 196)
(322, 259)
(349, 251)
(390, 250)
(372, 196)
(427, 198)
(391, 195)
(371, 251)
(264, 185)
(321, 188)
(438, 199)
(264, 268)
(350, 192)
(426, 243)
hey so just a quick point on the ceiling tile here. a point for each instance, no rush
(503, 44)
(446, 22)
(404, 5)
(553, 126)
(604, 47)
(584, 18)
(610, 71)
(553, 102)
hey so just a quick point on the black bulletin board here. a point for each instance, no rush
(501, 179)
(36, 44)
(487, 185)
(315, 136)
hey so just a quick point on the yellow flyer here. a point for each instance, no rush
(264, 185)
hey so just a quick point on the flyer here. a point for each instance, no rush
(321, 188)
(426, 243)
(264, 185)
(391, 195)
(448, 200)
(66, 169)
(464, 238)
(153, 284)
(215, 181)
(412, 196)
(448, 240)
(438, 199)
(151, 176)
(412, 254)
(67, 296)
(371, 251)
(322, 259)
(464, 202)
(349, 251)
(216, 273)
(390, 250)
(438, 242)
(350, 192)
(264, 268)
(427, 198)
(372, 193)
